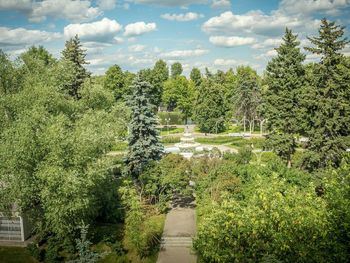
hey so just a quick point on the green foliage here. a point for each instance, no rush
(144, 145)
(210, 107)
(174, 117)
(246, 97)
(285, 79)
(85, 255)
(170, 139)
(10, 80)
(162, 179)
(74, 53)
(176, 70)
(273, 218)
(96, 98)
(115, 82)
(179, 94)
(143, 228)
(196, 77)
(329, 107)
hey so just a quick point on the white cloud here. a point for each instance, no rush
(268, 43)
(182, 17)
(95, 47)
(104, 30)
(38, 11)
(256, 22)
(139, 28)
(224, 41)
(21, 5)
(181, 54)
(107, 4)
(169, 2)
(79, 10)
(221, 4)
(330, 7)
(22, 36)
(267, 54)
(225, 62)
(136, 48)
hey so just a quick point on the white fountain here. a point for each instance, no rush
(187, 145)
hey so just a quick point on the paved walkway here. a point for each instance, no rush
(179, 228)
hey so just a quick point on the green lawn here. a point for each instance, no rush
(15, 255)
(170, 130)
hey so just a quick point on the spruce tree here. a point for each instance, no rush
(74, 53)
(144, 144)
(330, 106)
(285, 79)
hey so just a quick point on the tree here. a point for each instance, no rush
(179, 93)
(285, 79)
(144, 144)
(210, 107)
(196, 76)
(115, 81)
(176, 69)
(74, 53)
(330, 107)
(160, 74)
(247, 94)
(10, 80)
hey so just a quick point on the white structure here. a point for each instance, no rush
(14, 228)
(187, 145)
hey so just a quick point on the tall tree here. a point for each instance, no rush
(179, 93)
(247, 95)
(330, 107)
(196, 76)
(115, 81)
(285, 79)
(210, 107)
(176, 69)
(160, 74)
(74, 53)
(144, 144)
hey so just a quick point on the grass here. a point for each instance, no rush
(170, 130)
(15, 255)
(233, 141)
(170, 140)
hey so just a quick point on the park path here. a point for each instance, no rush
(179, 228)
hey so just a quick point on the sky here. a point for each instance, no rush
(134, 34)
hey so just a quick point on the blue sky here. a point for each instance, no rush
(218, 34)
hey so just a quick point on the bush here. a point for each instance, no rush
(273, 218)
(170, 140)
(176, 118)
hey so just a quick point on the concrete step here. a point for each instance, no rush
(176, 242)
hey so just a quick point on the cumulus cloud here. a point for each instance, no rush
(139, 28)
(233, 41)
(330, 7)
(136, 48)
(182, 17)
(169, 2)
(225, 62)
(95, 47)
(107, 4)
(38, 11)
(267, 54)
(22, 36)
(256, 22)
(221, 4)
(104, 30)
(182, 54)
(268, 43)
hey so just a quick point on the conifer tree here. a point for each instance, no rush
(285, 79)
(74, 53)
(330, 106)
(144, 144)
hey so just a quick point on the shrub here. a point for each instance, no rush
(170, 140)
(274, 218)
